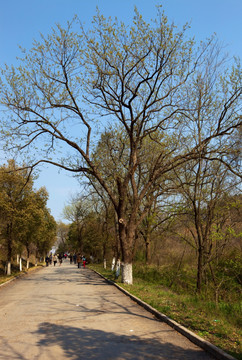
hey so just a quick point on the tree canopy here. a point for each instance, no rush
(146, 79)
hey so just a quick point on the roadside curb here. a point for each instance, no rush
(197, 340)
(7, 282)
(24, 273)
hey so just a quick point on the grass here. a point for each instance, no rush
(219, 323)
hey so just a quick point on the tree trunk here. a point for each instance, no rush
(20, 264)
(36, 258)
(9, 268)
(104, 250)
(127, 247)
(147, 250)
(127, 273)
(113, 263)
(127, 240)
(28, 255)
(199, 270)
(9, 255)
(117, 250)
(117, 269)
(127, 227)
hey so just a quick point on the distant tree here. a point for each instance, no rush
(203, 189)
(93, 237)
(45, 233)
(87, 216)
(31, 219)
(62, 235)
(15, 187)
(157, 222)
(104, 209)
(76, 213)
(48, 232)
(22, 211)
(139, 78)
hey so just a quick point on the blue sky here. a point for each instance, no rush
(21, 21)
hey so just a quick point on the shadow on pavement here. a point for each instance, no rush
(99, 345)
(67, 274)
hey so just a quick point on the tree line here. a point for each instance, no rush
(151, 119)
(26, 225)
(197, 224)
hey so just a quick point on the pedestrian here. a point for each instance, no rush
(47, 259)
(74, 258)
(60, 259)
(55, 260)
(71, 258)
(78, 259)
(84, 261)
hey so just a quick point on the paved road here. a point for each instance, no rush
(67, 313)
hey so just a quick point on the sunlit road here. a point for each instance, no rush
(64, 312)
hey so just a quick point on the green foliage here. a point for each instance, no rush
(26, 223)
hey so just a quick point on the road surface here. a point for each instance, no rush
(64, 312)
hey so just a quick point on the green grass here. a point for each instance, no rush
(219, 323)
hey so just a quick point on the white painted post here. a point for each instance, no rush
(113, 263)
(118, 268)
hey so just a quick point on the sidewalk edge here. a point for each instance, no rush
(197, 340)
(23, 273)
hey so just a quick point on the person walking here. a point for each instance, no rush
(47, 259)
(60, 259)
(55, 259)
(84, 261)
(71, 258)
(78, 259)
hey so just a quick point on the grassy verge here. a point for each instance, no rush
(219, 324)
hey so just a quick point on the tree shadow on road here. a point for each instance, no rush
(86, 343)
(67, 274)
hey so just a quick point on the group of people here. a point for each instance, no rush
(81, 260)
(76, 259)
(53, 258)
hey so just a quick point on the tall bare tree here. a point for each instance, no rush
(74, 83)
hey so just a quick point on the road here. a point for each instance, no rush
(64, 312)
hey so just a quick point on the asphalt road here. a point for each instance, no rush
(64, 312)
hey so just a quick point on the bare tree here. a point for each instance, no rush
(204, 187)
(138, 77)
